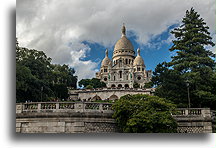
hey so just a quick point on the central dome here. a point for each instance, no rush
(123, 43)
(123, 47)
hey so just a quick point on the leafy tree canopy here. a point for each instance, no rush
(144, 114)
(91, 83)
(136, 85)
(39, 80)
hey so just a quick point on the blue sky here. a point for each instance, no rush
(77, 32)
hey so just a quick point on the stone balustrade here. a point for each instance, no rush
(38, 107)
(204, 112)
(84, 117)
(94, 107)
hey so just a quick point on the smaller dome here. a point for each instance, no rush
(138, 61)
(106, 61)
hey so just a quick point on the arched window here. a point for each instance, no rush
(126, 61)
(119, 85)
(95, 98)
(120, 63)
(113, 85)
(113, 97)
(114, 78)
(120, 74)
(126, 86)
(138, 69)
(129, 61)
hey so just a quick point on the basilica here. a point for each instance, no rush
(125, 70)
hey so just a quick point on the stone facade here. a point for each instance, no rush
(106, 93)
(125, 69)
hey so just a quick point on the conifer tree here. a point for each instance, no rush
(192, 62)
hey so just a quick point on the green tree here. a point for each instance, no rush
(136, 85)
(63, 74)
(32, 74)
(89, 87)
(60, 91)
(144, 114)
(192, 63)
(148, 85)
(36, 76)
(94, 82)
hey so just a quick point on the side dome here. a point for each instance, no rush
(106, 61)
(138, 61)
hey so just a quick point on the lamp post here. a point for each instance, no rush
(41, 92)
(188, 91)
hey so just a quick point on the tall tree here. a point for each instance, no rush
(39, 80)
(192, 63)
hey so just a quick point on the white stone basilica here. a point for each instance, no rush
(125, 69)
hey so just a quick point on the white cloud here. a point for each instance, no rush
(84, 69)
(50, 25)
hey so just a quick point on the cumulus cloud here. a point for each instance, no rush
(58, 27)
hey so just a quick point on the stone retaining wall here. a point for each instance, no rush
(89, 117)
(65, 123)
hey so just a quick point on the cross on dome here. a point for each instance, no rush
(106, 52)
(123, 30)
(138, 51)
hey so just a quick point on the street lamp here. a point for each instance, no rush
(41, 92)
(188, 91)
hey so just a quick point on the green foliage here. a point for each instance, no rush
(36, 77)
(192, 63)
(95, 83)
(148, 85)
(136, 85)
(144, 114)
(60, 91)
(89, 87)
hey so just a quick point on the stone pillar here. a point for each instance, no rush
(19, 108)
(39, 107)
(101, 107)
(57, 107)
(79, 107)
(206, 112)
